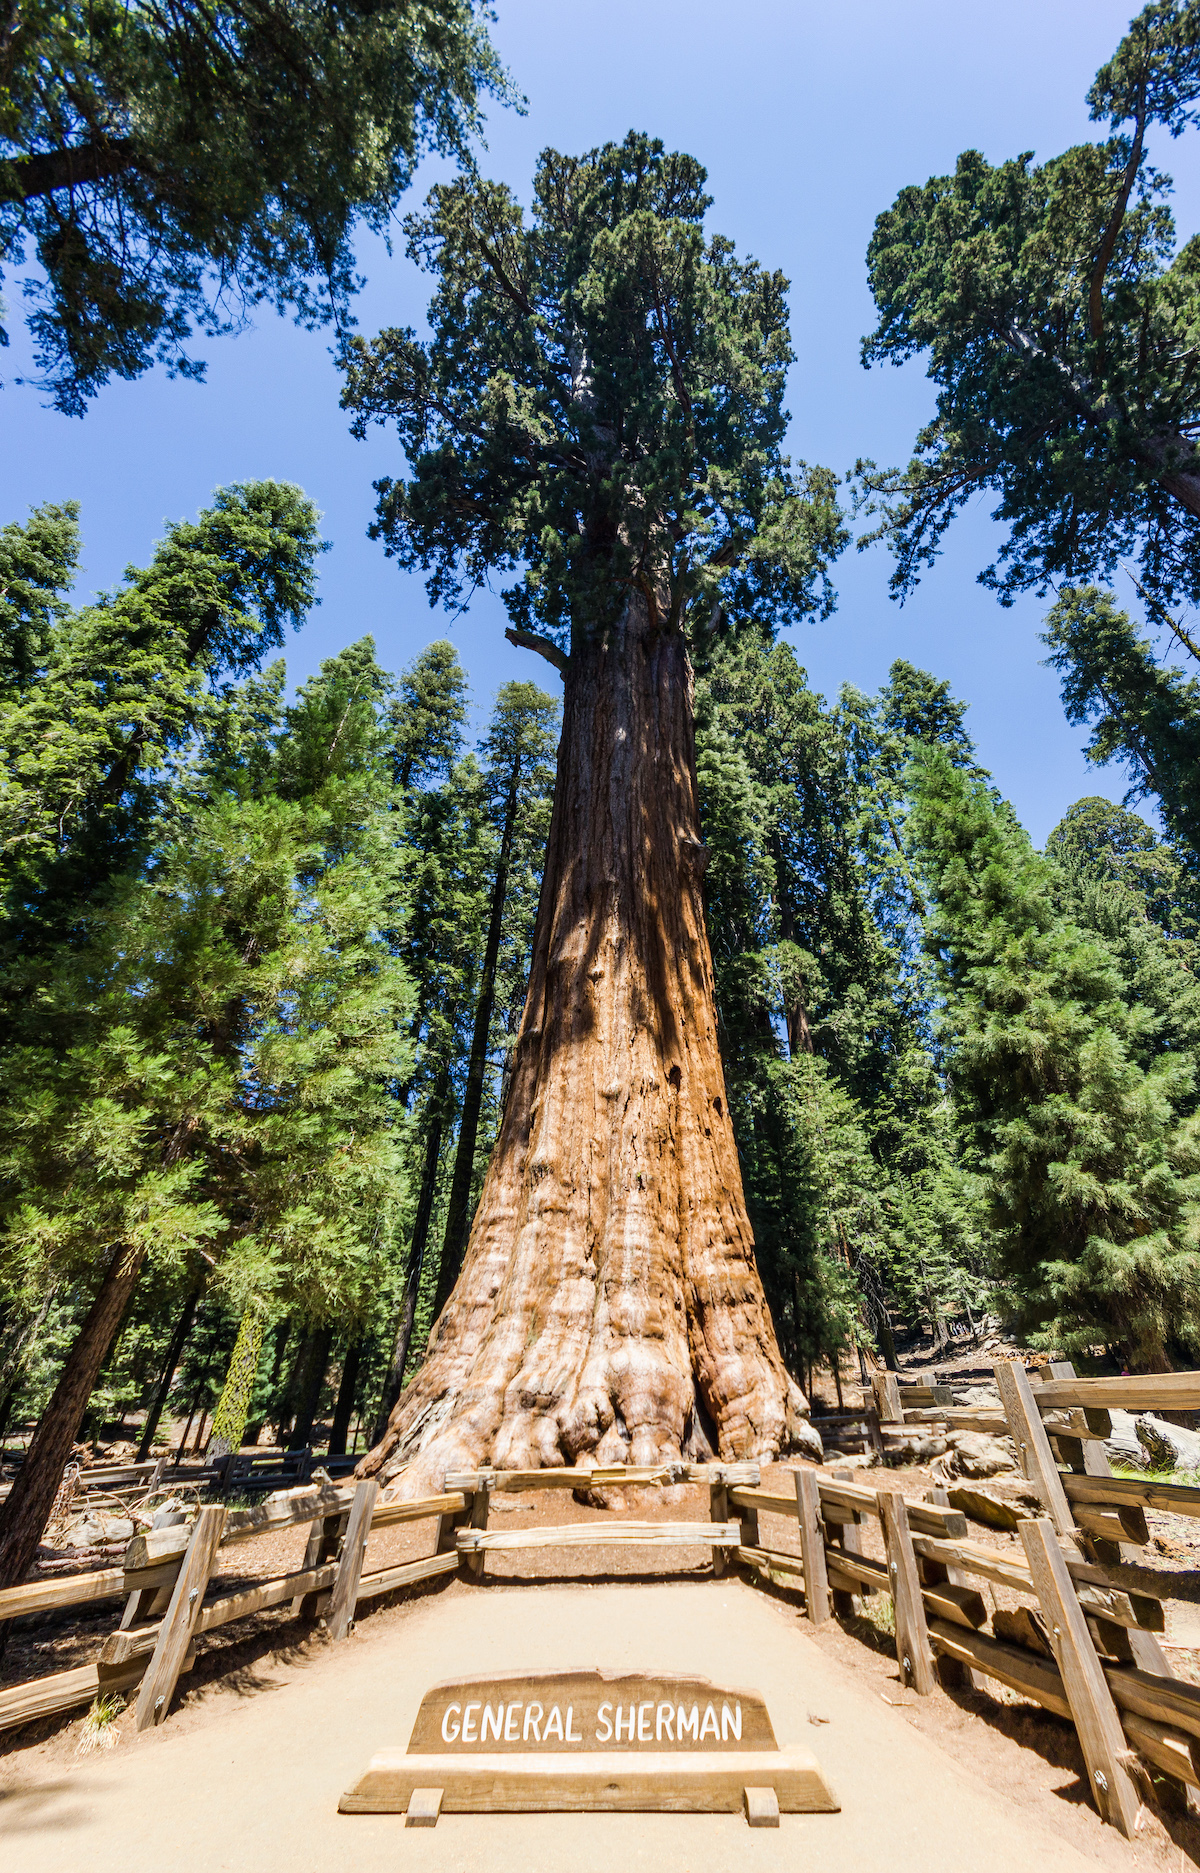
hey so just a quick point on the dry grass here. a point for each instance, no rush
(99, 1729)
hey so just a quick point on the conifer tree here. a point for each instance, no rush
(171, 166)
(1091, 1160)
(210, 1064)
(1056, 312)
(599, 410)
(1142, 710)
(519, 782)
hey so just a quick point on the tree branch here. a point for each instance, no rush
(1115, 221)
(544, 646)
(73, 166)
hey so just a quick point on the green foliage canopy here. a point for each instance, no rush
(169, 164)
(1082, 1119)
(600, 404)
(1060, 323)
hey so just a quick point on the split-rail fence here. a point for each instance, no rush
(1093, 1655)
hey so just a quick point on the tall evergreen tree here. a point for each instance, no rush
(1057, 314)
(1142, 710)
(1091, 1158)
(209, 1064)
(846, 1134)
(599, 410)
(519, 782)
(446, 841)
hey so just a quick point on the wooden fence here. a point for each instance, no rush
(1084, 1646)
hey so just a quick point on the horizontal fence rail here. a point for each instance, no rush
(1080, 1644)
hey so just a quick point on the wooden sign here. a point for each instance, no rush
(588, 1710)
(590, 1740)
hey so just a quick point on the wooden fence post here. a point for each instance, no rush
(1092, 1709)
(1033, 1445)
(718, 1511)
(812, 1546)
(1090, 1458)
(886, 1388)
(175, 1633)
(951, 1673)
(850, 1540)
(324, 1538)
(474, 1564)
(913, 1652)
(339, 1616)
(450, 1521)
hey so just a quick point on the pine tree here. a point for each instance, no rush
(816, 922)
(1092, 1165)
(1141, 709)
(232, 1087)
(444, 824)
(173, 167)
(1056, 311)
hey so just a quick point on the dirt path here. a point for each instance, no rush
(252, 1780)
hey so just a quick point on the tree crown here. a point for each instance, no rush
(1060, 324)
(169, 161)
(599, 406)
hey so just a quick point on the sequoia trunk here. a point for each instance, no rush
(609, 1305)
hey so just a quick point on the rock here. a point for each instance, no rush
(1123, 1446)
(806, 1440)
(977, 1454)
(1168, 1446)
(84, 1533)
(978, 1397)
(861, 1460)
(981, 1506)
(93, 1529)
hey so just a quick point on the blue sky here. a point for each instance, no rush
(809, 119)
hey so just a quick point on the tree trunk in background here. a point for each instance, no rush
(609, 1304)
(282, 1334)
(316, 1366)
(178, 1342)
(458, 1218)
(439, 1100)
(343, 1411)
(291, 1391)
(23, 1514)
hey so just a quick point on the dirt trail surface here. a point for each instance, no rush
(252, 1780)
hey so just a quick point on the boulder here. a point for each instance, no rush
(1168, 1446)
(805, 1439)
(974, 1453)
(1023, 1626)
(1123, 1446)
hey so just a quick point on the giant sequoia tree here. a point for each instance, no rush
(599, 410)
(1059, 322)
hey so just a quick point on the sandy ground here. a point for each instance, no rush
(247, 1780)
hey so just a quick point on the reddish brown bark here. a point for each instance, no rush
(609, 1304)
(23, 1515)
